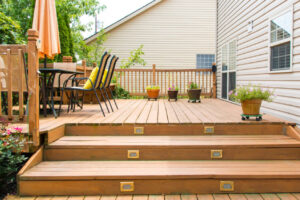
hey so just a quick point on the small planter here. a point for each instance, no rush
(194, 95)
(153, 93)
(173, 94)
(251, 107)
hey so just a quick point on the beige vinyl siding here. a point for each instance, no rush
(172, 32)
(253, 51)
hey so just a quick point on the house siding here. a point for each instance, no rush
(252, 54)
(172, 32)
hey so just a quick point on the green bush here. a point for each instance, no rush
(10, 31)
(121, 93)
(11, 146)
(249, 92)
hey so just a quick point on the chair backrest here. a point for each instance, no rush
(110, 72)
(101, 70)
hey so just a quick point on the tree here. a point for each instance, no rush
(10, 31)
(21, 11)
(134, 58)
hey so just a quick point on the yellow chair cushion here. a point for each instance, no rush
(93, 76)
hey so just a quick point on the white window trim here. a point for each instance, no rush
(290, 9)
(228, 68)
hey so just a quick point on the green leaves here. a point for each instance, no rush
(10, 31)
(248, 92)
(135, 58)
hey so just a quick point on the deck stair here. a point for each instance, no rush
(93, 164)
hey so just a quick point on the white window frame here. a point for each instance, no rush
(228, 68)
(270, 45)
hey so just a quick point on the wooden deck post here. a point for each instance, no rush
(33, 86)
(153, 73)
(214, 85)
(84, 67)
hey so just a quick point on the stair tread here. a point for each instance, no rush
(126, 170)
(203, 141)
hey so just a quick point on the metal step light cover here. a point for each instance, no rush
(138, 130)
(209, 130)
(216, 154)
(226, 186)
(127, 186)
(133, 154)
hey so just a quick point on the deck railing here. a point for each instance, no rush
(136, 80)
(12, 81)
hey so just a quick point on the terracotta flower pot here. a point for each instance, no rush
(194, 95)
(153, 93)
(251, 107)
(173, 94)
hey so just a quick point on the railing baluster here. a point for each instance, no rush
(9, 84)
(20, 85)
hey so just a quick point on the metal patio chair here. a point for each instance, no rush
(96, 85)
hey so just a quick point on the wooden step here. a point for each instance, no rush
(228, 147)
(159, 177)
(247, 128)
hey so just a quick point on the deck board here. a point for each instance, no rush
(153, 112)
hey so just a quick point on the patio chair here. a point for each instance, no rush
(106, 85)
(94, 81)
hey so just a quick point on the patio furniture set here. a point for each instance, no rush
(74, 88)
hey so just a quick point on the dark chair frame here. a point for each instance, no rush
(94, 88)
(106, 85)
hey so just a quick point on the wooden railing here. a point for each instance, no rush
(12, 81)
(136, 80)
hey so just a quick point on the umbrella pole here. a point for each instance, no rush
(44, 89)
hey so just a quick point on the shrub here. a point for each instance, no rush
(121, 93)
(249, 92)
(11, 146)
(192, 86)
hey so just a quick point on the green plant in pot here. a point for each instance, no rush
(251, 97)
(173, 92)
(194, 92)
(153, 92)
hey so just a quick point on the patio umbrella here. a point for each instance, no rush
(45, 22)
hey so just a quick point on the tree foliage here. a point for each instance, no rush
(134, 58)
(21, 12)
(10, 31)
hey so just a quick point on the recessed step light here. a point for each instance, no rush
(127, 186)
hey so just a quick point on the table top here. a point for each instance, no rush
(62, 71)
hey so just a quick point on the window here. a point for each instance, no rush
(280, 42)
(228, 68)
(204, 61)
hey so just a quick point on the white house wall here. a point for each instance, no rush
(253, 51)
(172, 32)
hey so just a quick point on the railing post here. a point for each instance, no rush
(214, 84)
(153, 73)
(84, 67)
(33, 86)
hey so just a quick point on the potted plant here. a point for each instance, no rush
(153, 92)
(173, 92)
(251, 98)
(194, 92)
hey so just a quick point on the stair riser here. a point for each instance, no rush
(176, 153)
(188, 129)
(184, 186)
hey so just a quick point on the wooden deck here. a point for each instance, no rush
(263, 196)
(134, 112)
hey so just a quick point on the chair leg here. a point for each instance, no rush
(108, 99)
(99, 102)
(104, 100)
(61, 100)
(112, 96)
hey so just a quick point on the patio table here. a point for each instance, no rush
(48, 86)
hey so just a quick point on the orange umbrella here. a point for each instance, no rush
(45, 22)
